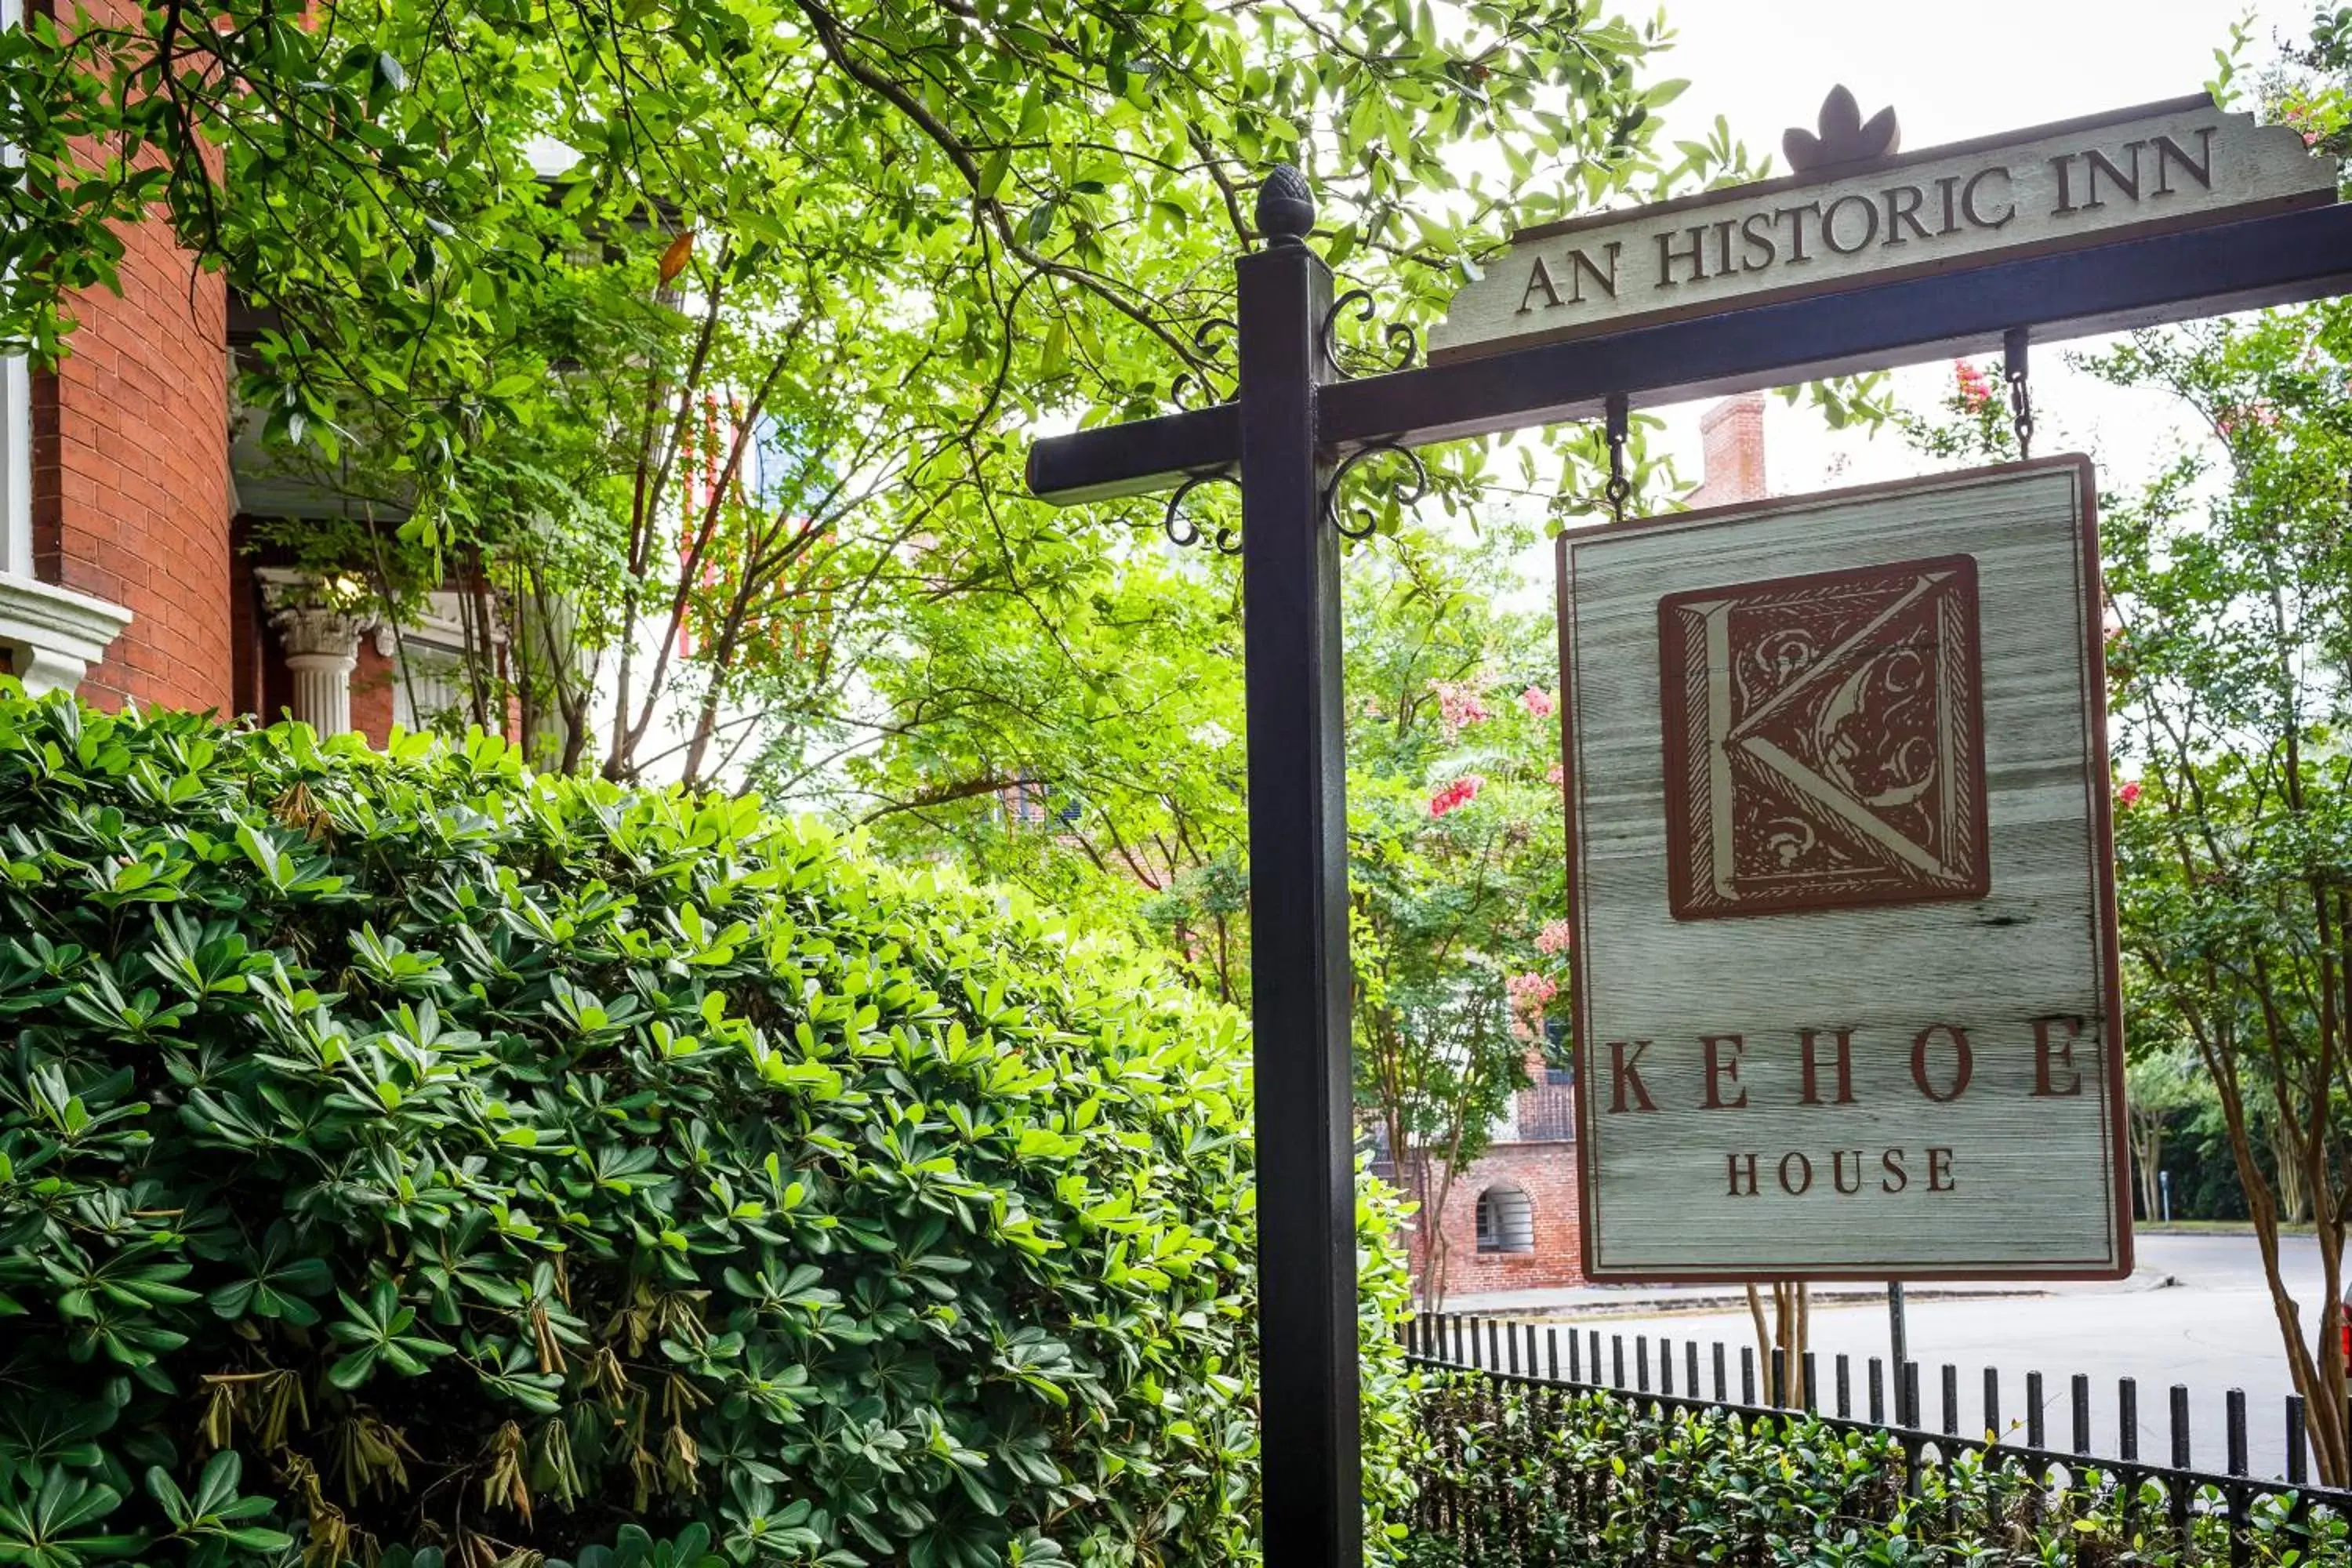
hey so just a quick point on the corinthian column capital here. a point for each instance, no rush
(321, 636)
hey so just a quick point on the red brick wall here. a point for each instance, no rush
(130, 470)
(372, 693)
(1547, 1173)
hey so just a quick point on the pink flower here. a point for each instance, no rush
(2231, 420)
(1555, 938)
(1557, 776)
(1975, 390)
(2129, 795)
(2311, 137)
(1458, 707)
(1457, 794)
(1528, 995)
(1538, 701)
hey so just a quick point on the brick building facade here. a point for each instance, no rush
(121, 571)
(1509, 1219)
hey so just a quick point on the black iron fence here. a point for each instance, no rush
(1667, 1374)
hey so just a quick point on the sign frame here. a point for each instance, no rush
(1569, 267)
(1296, 423)
(2108, 953)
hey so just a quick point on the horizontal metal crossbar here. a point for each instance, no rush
(2137, 282)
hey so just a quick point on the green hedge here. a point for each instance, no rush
(1551, 1477)
(405, 1157)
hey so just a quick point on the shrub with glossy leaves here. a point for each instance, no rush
(407, 1156)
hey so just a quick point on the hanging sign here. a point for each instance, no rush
(1846, 997)
(1856, 212)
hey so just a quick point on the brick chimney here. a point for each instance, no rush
(1732, 433)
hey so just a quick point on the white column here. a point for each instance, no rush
(322, 647)
(323, 689)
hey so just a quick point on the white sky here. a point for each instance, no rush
(1951, 71)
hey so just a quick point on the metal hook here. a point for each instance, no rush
(2021, 395)
(1620, 489)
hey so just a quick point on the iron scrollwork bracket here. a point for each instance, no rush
(1404, 342)
(1194, 384)
(1359, 523)
(1182, 531)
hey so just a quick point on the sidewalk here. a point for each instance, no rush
(1661, 1300)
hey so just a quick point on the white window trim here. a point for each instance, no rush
(16, 465)
(52, 636)
(15, 419)
(429, 653)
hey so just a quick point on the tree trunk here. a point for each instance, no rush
(2293, 1193)
(1787, 1335)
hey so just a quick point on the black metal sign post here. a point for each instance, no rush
(1298, 876)
(1294, 422)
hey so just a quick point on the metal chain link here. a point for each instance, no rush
(1620, 488)
(2021, 395)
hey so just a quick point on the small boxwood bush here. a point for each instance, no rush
(1550, 1477)
(405, 1158)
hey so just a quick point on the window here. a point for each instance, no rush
(1024, 804)
(1507, 1221)
(427, 682)
(1033, 804)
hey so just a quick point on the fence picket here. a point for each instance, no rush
(1504, 1523)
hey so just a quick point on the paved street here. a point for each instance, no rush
(2210, 1330)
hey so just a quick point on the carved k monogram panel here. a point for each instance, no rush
(1824, 741)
